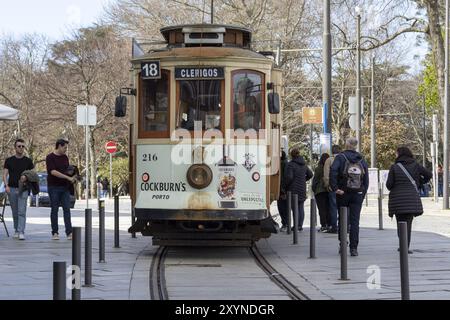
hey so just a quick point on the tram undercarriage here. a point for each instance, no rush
(205, 233)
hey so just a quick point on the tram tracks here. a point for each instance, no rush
(158, 288)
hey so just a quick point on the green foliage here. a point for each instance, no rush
(390, 135)
(120, 171)
(429, 88)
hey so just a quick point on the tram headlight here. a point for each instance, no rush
(199, 176)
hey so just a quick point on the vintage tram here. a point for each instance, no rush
(205, 127)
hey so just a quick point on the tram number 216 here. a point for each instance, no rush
(151, 70)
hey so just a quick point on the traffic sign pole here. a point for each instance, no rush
(110, 176)
(111, 148)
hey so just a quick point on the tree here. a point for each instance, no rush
(90, 68)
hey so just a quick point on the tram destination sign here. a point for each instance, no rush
(199, 73)
(151, 70)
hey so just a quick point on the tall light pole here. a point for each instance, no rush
(446, 108)
(326, 84)
(373, 154)
(358, 77)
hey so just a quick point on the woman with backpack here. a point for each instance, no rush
(321, 194)
(297, 173)
(404, 180)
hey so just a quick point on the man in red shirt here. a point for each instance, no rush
(59, 183)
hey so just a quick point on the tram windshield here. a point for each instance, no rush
(200, 100)
(247, 100)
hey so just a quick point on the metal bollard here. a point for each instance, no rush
(59, 281)
(88, 249)
(289, 209)
(380, 209)
(116, 222)
(76, 262)
(101, 233)
(343, 242)
(295, 213)
(404, 267)
(312, 230)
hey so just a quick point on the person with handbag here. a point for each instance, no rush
(404, 180)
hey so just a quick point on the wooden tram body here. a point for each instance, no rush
(205, 127)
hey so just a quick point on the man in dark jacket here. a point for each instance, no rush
(297, 173)
(349, 178)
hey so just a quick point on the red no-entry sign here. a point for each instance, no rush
(111, 147)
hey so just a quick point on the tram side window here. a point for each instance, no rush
(200, 100)
(155, 104)
(247, 100)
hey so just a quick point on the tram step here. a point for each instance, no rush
(201, 243)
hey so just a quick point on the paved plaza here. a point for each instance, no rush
(26, 266)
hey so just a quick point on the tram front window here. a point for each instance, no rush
(247, 100)
(155, 105)
(200, 101)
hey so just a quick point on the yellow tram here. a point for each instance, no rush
(205, 127)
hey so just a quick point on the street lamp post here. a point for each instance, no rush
(358, 77)
(373, 154)
(326, 91)
(446, 109)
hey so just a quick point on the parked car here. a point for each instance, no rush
(44, 199)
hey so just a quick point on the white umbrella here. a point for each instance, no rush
(7, 113)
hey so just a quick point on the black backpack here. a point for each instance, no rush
(353, 175)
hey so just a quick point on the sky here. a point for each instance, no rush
(54, 18)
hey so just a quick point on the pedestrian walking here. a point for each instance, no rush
(332, 204)
(349, 178)
(321, 194)
(282, 200)
(440, 180)
(297, 173)
(12, 176)
(59, 181)
(105, 187)
(404, 180)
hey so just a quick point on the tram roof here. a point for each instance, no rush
(166, 30)
(203, 52)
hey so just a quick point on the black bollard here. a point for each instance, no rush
(116, 222)
(404, 267)
(101, 233)
(59, 281)
(295, 214)
(380, 209)
(88, 249)
(289, 209)
(343, 241)
(76, 263)
(312, 230)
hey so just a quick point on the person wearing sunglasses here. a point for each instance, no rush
(12, 174)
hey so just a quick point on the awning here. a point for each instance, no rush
(8, 113)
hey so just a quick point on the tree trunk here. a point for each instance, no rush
(437, 43)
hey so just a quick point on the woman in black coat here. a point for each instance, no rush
(282, 201)
(404, 198)
(297, 173)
